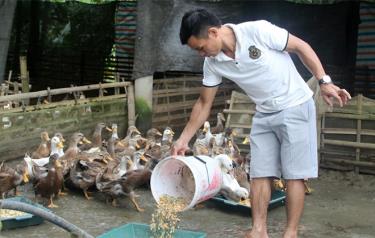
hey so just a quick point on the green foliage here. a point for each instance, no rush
(144, 114)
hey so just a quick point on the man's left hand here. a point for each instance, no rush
(330, 91)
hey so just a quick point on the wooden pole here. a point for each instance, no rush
(24, 74)
(45, 93)
(359, 128)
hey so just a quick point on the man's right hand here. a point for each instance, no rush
(179, 147)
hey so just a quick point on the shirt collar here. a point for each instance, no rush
(223, 57)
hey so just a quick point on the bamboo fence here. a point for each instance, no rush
(64, 110)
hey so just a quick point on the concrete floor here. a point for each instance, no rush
(341, 206)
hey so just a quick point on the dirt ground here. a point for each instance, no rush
(342, 206)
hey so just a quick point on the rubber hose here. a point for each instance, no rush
(49, 216)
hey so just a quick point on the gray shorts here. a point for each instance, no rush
(284, 143)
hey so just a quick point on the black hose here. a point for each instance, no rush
(49, 216)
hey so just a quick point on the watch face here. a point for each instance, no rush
(326, 79)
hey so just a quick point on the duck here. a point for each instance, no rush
(219, 128)
(97, 142)
(35, 165)
(49, 186)
(111, 174)
(43, 149)
(130, 133)
(127, 183)
(230, 188)
(153, 137)
(207, 135)
(166, 142)
(67, 160)
(85, 169)
(11, 178)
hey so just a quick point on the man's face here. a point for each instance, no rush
(206, 46)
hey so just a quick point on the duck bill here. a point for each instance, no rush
(85, 140)
(108, 129)
(25, 176)
(119, 143)
(159, 133)
(143, 158)
(58, 164)
(60, 145)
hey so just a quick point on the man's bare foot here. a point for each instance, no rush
(290, 234)
(254, 234)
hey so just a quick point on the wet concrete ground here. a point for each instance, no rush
(341, 206)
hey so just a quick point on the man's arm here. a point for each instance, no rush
(201, 111)
(309, 58)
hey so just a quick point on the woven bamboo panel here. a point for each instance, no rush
(173, 100)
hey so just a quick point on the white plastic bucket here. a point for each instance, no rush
(194, 178)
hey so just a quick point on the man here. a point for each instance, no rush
(283, 137)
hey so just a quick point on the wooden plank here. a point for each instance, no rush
(180, 106)
(239, 111)
(360, 145)
(352, 162)
(347, 131)
(350, 116)
(236, 125)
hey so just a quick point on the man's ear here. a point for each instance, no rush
(213, 31)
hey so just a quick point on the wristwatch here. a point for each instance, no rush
(325, 80)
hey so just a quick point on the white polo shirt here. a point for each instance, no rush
(261, 67)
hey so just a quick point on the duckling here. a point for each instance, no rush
(43, 149)
(11, 178)
(50, 185)
(219, 128)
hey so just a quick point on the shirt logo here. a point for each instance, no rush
(254, 52)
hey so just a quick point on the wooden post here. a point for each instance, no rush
(24, 76)
(117, 79)
(131, 105)
(359, 129)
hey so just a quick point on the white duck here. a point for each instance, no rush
(230, 188)
(56, 148)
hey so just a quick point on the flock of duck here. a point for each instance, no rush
(116, 167)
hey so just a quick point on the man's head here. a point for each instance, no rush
(199, 29)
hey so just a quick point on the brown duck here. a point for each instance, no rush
(49, 186)
(44, 148)
(11, 178)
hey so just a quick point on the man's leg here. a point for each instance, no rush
(294, 206)
(260, 195)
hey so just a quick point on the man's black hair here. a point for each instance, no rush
(196, 22)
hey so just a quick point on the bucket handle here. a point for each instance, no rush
(205, 165)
